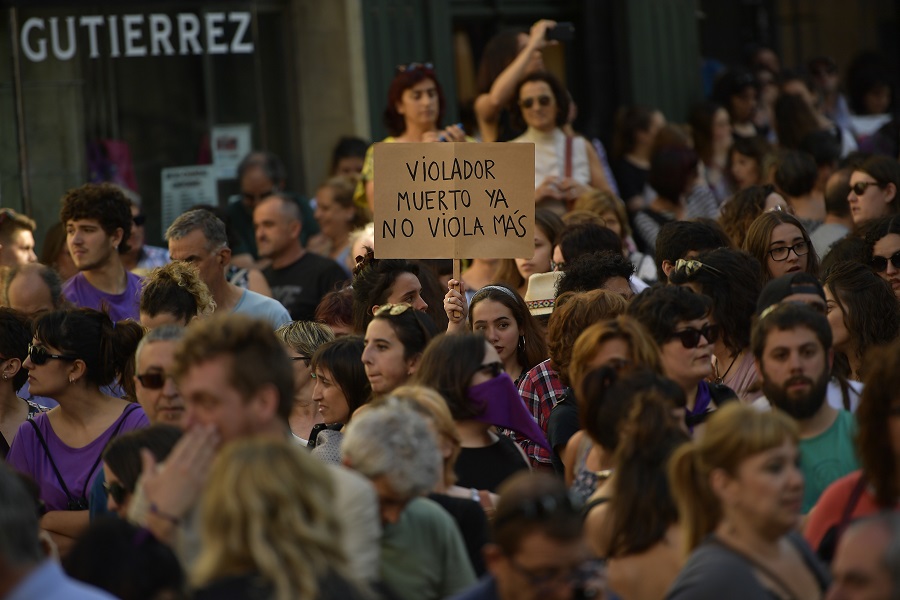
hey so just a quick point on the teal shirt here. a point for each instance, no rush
(423, 556)
(827, 457)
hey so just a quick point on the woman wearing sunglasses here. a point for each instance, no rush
(883, 245)
(341, 387)
(122, 461)
(863, 313)
(731, 278)
(681, 323)
(564, 165)
(385, 281)
(301, 339)
(415, 108)
(466, 370)
(73, 353)
(394, 343)
(14, 338)
(781, 245)
(873, 189)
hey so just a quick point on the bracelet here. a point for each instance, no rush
(154, 510)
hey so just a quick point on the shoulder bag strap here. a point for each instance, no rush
(46, 448)
(128, 410)
(568, 167)
(760, 567)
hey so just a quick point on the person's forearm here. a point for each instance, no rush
(69, 523)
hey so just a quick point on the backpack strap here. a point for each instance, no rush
(128, 410)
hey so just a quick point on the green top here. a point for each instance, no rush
(827, 457)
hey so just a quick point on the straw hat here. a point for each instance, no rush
(541, 293)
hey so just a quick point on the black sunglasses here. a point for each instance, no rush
(880, 263)
(152, 381)
(859, 188)
(40, 356)
(542, 100)
(139, 220)
(690, 336)
(116, 491)
(494, 369)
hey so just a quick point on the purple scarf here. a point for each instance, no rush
(499, 404)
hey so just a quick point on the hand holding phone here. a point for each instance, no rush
(563, 32)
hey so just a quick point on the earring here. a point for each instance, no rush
(71, 380)
(5, 376)
(522, 343)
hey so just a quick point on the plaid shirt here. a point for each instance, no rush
(540, 389)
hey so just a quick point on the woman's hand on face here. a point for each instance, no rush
(455, 306)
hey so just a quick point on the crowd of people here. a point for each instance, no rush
(686, 392)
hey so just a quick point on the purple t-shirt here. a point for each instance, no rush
(75, 464)
(80, 292)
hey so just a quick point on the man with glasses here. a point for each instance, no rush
(538, 549)
(260, 174)
(16, 239)
(792, 348)
(140, 257)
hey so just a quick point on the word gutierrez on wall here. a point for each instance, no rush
(137, 35)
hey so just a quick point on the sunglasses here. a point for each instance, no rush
(690, 337)
(414, 66)
(39, 355)
(153, 381)
(306, 360)
(542, 100)
(139, 220)
(493, 369)
(859, 188)
(393, 309)
(690, 267)
(782, 252)
(880, 263)
(116, 491)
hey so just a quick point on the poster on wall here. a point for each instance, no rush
(229, 143)
(184, 187)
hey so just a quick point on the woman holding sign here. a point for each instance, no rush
(564, 165)
(415, 107)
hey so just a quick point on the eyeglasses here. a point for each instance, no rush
(880, 263)
(542, 100)
(493, 369)
(139, 220)
(859, 188)
(305, 359)
(116, 491)
(414, 66)
(782, 252)
(690, 336)
(557, 266)
(393, 309)
(690, 267)
(153, 381)
(39, 355)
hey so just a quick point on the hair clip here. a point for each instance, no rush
(690, 267)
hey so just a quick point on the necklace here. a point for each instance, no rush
(721, 379)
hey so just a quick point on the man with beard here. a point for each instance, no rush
(792, 348)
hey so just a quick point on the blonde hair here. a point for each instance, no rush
(601, 201)
(433, 407)
(733, 434)
(268, 508)
(174, 286)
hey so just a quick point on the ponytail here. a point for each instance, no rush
(118, 343)
(698, 508)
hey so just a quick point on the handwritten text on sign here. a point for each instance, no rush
(454, 200)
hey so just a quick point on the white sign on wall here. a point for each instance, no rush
(184, 187)
(137, 35)
(230, 143)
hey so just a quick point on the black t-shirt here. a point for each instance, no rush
(630, 178)
(472, 523)
(486, 468)
(561, 426)
(300, 286)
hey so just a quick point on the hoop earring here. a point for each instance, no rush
(521, 344)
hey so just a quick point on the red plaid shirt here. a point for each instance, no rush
(540, 389)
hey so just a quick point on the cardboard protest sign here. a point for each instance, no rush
(454, 200)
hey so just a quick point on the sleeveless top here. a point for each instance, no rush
(550, 155)
(586, 480)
